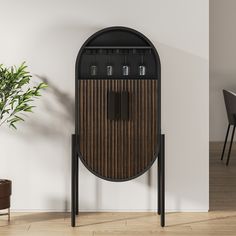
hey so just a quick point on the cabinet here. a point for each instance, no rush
(118, 110)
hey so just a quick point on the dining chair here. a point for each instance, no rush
(230, 104)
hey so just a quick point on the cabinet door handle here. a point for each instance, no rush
(113, 105)
(124, 101)
(118, 105)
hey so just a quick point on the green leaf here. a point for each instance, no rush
(16, 93)
(42, 86)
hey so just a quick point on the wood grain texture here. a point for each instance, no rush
(118, 149)
(222, 178)
(117, 223)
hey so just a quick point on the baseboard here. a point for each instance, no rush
(149, 210)
(107, 210)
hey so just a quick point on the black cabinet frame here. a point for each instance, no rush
(118, 46)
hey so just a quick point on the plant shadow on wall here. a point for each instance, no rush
(58, 108)
(55, 124)
(64, 99)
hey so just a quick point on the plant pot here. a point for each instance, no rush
(5, 193)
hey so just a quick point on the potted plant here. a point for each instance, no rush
(16, 94)
(16, 97)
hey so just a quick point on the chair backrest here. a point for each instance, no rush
(230, 104)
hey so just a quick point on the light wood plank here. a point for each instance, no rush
(128, 224)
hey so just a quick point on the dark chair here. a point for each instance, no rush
(230, 104)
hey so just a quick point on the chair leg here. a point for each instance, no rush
(230, 147)
(9, 215)
(73, 182)
(162, 180)
(226, 138)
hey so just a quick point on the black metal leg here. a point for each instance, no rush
(226, 138)
(73, 181)
(231, 142)
(159, 184)
(77, 185)
(162, 180)
(9, 215)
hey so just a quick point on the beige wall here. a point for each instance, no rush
(222, 62)
(48, 35)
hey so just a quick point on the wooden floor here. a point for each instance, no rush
(111, 224)
(222, 180)
(221, 220)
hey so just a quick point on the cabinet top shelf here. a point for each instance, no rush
(118, 78)
(117, 47)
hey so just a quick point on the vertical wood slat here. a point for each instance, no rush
(118, 149)
(144, 111)
(113, 164)
(127, 171)
(99, 132)
(116, 169)
(120, 143)
(135, 130)
(132, 130)
(81, 88)
(126, 138)
(106, 129)
(138, 120)
(149, 126)
(94, 146)
(110, 146)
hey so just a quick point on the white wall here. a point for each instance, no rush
(222, 63)
(48, 35)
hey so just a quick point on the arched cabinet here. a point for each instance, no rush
(118, 109)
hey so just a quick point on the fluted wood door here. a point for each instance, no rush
(118, 150)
